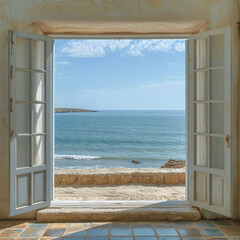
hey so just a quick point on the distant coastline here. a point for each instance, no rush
(72, 110)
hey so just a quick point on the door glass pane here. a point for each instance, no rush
(38, 118)
(39, 150)
(201, 147)
(22, 86)
(217, 152)
(201, 53)
(201, 117)
(217, 118)
(23, 118)
(217, 50)
(201, 86)
(22, 53)
(217, 84)
(38, 55)
(23, 151)
(38, 86)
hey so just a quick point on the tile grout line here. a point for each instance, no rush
(177, 232)
(109, 233)
(24, 229)
(171, 225)
(133, 236)
(175, 227)
(63, 235)
(87, 230)
(225, 235)
(47, 227)
(153, 227)
(234, 223)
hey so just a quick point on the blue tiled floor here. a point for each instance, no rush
(121, 232)
(143, 232)
(166, 232)
(202, 230)
(98, 232)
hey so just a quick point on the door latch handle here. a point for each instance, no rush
(227, 138)
(12, 133)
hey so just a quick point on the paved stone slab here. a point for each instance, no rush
(120, 214)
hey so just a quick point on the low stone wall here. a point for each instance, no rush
(119, 176)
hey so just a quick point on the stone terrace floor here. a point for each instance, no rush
(121, 231)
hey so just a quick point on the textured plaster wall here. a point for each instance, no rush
(107, 17)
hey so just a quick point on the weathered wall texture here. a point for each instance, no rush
(107, 17)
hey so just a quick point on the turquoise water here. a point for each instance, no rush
(109, 139)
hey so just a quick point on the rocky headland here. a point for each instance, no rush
(174, 164)
(72, 110)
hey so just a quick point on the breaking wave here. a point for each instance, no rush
(75, 157)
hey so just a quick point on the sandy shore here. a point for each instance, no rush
(120, 184)
(121, 192)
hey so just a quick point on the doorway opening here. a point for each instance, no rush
(210, 141)
(120, 120)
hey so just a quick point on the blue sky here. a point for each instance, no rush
(120, 74)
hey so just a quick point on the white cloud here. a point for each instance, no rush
(164, 84)
(99, 48)
(175, 64)
(64, 63)
(180, 46)
(93, 48)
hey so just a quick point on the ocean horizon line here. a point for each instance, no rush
(182, 110)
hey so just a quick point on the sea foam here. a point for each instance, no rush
(76, 157)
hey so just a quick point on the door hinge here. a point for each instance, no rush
(11, 105)
(12, 42)
(11, 72)
(12, 133)
(227, 138)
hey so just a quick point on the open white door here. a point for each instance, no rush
(209, 125)
(31, 126)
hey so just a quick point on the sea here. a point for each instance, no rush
(118, 139)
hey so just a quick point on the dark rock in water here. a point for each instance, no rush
(136, 162)
(174, 164)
